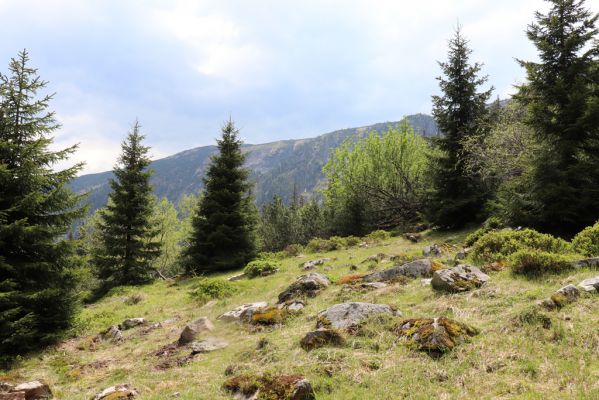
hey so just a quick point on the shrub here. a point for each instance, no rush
(260, 268)
(208, 289)
(293, 250)
(587, 241)
(318, 245)
(490, 224)
(537, 262)
(499, 245)
(377, 236)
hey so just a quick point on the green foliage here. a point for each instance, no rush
(169, 235)
(587, 241)
(457, 195)
(562, 102)
(318, 245)
(127, 250)
(207, 289)
(499, 245)
(37, 263)
(223, 226)
(491, 224)
(538, 262)
(377, 236)
(260, 268)
(376, 182)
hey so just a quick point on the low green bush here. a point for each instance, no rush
(538, 262)
(377, 236)
(207, 289)
(587, 241)
(491, 224)
(318, 245)
(260, 268)
(499, 245)
(293, 250)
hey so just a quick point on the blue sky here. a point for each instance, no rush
(281, 69)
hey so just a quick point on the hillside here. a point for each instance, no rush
(518, 352)
(275, 167)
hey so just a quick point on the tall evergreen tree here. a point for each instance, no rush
(223, 233)
(562, 99)
(127, 251)
(36, 210)
(457, 197)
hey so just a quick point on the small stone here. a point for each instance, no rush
(34, 390)
(373, 285)
(590, 285)
(117, 392)
(425, 281)
(112, 334)
(308, 265)
(432, 250)
(243, 313)
(320, 338)
(191, 330)
(207, 345)
(131, 323)
(292, 305)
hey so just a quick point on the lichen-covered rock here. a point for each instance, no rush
(564, 296)
(375, 258)
(305, 286)
(207, 345)
(590, 285)
(293, 305)
(423, 268)
(434, 334)
(112, 334)
(131, 323)
(243, 313)
(350, 315)
(280, 387)
(320, 338)
(267, 316)
(458, 279)
(117, 392)
(34, 390)
(191, 330)
(308, 265)
(432, 250)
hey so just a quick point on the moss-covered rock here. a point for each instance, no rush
(268, 316)
(320, 338)
(270, 387)
(434, 334)
(458, 279)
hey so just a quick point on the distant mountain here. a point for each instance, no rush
(275, 167)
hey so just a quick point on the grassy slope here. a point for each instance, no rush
(507, 360)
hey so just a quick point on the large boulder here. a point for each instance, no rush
(244, 312)
(305, 286)
(423, 268)
(207, 345)
(458, 279)
(280, 387)
(590, 285)
(349, 315)
(320, 338)
(434, 334)
(117, 392)
(191, 330)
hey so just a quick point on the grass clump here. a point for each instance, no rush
(207, 289)
(500, 245)
(587, 241)
(538, 262)
(260, 268)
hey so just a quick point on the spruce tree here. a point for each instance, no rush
(37, 208)
(457, 197)
(127, 251)
(223, 227)
(562, 99)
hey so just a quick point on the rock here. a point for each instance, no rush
(590, 285)
(208, 345)
(320, 338)
(112, 334)
(458, 279)
(292, 305)
(267, 316)
(434, 334)
(117, 392)
(243, 313)
(308, 265)
(280, 387)
(425, 281)
(12, 396)
(306, 285)
(564, 296)
(33, 390)
(587, 262)
(432, 250)
(131, 323)
(375, 257)
(423, 268)
(413, 237)
(236, 277)
(191, 330)
(6, 387)
(373, 285)
(349, 315)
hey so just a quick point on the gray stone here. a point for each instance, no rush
(308, 265)
(587, 262)
(117, 392)
(349, 315)
(306, 285)
(432, 250)
(191, 330)
(458, 279)
(112, 334)
(292, 305)
(208, 345)
(243, 313)
(566, 295)
(320, 338)
(590, 285)
(416, 269)
(34, 390)
(131, 323)
(373, 285)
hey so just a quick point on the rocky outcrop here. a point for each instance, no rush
(423, 268)
(590, 285)
(305, 286)
(458, 279)
(280, 387)
(207, 345)
(350, 315)
(434, 334)
(320, 338)
(117, 392)
(191, 330)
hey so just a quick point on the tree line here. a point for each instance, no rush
(532, 160)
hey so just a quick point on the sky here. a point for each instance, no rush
(280, 69)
